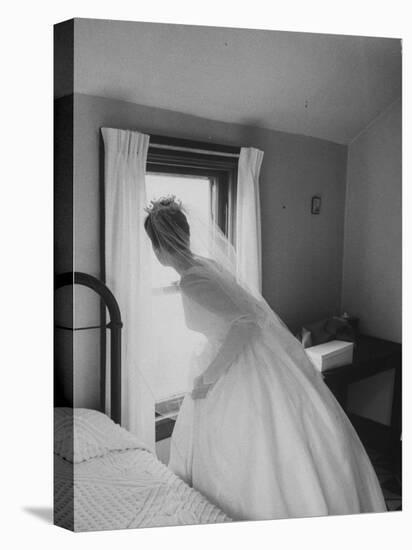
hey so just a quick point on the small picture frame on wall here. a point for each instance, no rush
(316, 203)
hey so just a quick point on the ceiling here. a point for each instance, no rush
(326, 86)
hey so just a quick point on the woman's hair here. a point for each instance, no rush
(167, 225)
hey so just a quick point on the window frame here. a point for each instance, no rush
(219, 163)
(222, 170)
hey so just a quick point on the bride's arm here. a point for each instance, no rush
(221, 300)
(240, 333)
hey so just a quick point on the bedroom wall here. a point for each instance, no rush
(302, 253)
(372, 265)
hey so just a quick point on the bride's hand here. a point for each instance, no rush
(200, 389)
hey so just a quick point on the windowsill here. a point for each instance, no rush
(169, 406)
(164, 427)
(165, 416)
(172, 288)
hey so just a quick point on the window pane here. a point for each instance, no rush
(192, 191)
(174, 361)
(171, 371)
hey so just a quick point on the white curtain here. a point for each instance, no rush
(248, 225)
(128, 271)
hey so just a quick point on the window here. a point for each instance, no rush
(192, 191)
(202, 175)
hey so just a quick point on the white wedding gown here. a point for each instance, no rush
(269, 440)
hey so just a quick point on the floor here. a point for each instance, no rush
(389, 474)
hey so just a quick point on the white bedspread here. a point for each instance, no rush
(126, 489)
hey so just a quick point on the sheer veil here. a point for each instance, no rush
(206, 262)
(206, 245)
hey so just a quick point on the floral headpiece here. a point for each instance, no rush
(164, 203)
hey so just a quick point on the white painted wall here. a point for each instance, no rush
(372, 263)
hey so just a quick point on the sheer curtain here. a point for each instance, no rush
(128, 271)
(248, 225)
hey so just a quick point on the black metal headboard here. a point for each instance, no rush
(115, 326)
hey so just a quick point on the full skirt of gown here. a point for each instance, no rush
(270, 441)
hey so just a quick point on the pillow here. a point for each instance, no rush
(82, 434)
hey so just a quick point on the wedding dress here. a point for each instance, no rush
(268, 440)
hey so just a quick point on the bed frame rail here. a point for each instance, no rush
(115, 327)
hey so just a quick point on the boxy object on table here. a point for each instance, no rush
(330, 355)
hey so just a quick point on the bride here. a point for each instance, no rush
(260, 434)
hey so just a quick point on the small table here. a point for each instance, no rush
(370, 356)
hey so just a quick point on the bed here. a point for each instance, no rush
(104, 476)
(115, 481)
